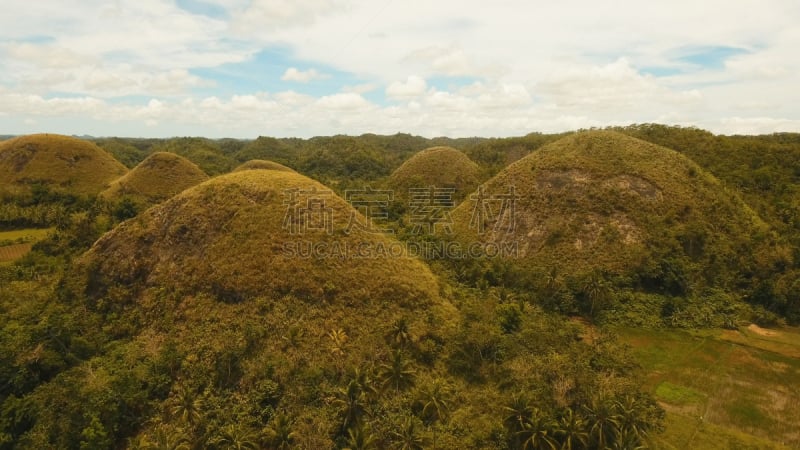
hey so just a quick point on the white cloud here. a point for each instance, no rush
(360, 88)
(262, 16)
(528, 66)
(616, 93)
(757, 125)
(349, 101)
(300, 76)
(413, 87)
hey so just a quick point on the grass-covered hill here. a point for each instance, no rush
(229, 316)
(230, 236)
(261, 164)
(441, 167)
(157, 178)
(206, 153)
(603, 202)
(57, 163)
(219, 272)
(204, 322)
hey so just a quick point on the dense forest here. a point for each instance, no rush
(144, 323)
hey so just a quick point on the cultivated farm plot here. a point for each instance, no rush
(15, 244)
(10, 253)
(723, 388)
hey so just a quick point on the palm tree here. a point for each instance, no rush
(408, 437)
(552, 281)
(571, 431)
(596, 291)
(603, 422)
(187, 406)
(518, 413)
(235, 437)
(626, 440)
(350, 401)
(279, 434)
(538, 433)
(398, 373)
(399, 336)
(433, 403)
(632, 415)
(504, 295)
(338, 339)
(167, 438)
(360, 438)
(365, 381)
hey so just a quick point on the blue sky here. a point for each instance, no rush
(244, 68)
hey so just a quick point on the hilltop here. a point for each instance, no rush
(601, 201)
(261, 164)
(227, 236)
(442, 167)
(230, 255)
(59, 163)
(160, 176)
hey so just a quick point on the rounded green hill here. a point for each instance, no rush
(243, 275)
(604, 201)
(441, 167)
(157, 178)
(262, 164)
(249, 233)
(60, 163)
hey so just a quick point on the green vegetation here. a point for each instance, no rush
(677, 395)
(13, 252)
(230, 315)
(711, 387)
(157, 178)
(440, 167)
(60, 164)
(229, 237)
(260, 164)
(23, 236)
(204, 152)
(16, 244)
(621, 217)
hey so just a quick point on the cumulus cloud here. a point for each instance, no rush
(267, 15)
(349, 101)
(95, 60)
(413, 87)
(616, 87)
(300, 76)
(757, 125)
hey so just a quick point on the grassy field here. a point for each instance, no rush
(723, 388)
(15, 244)
(26, 235)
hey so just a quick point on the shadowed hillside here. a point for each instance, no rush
(604, 202)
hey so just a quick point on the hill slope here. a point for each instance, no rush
(60, 163)
(441, 167)
(160, 176)
(605, 201)
(261, 164)
(219, 259)
(228, 234)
